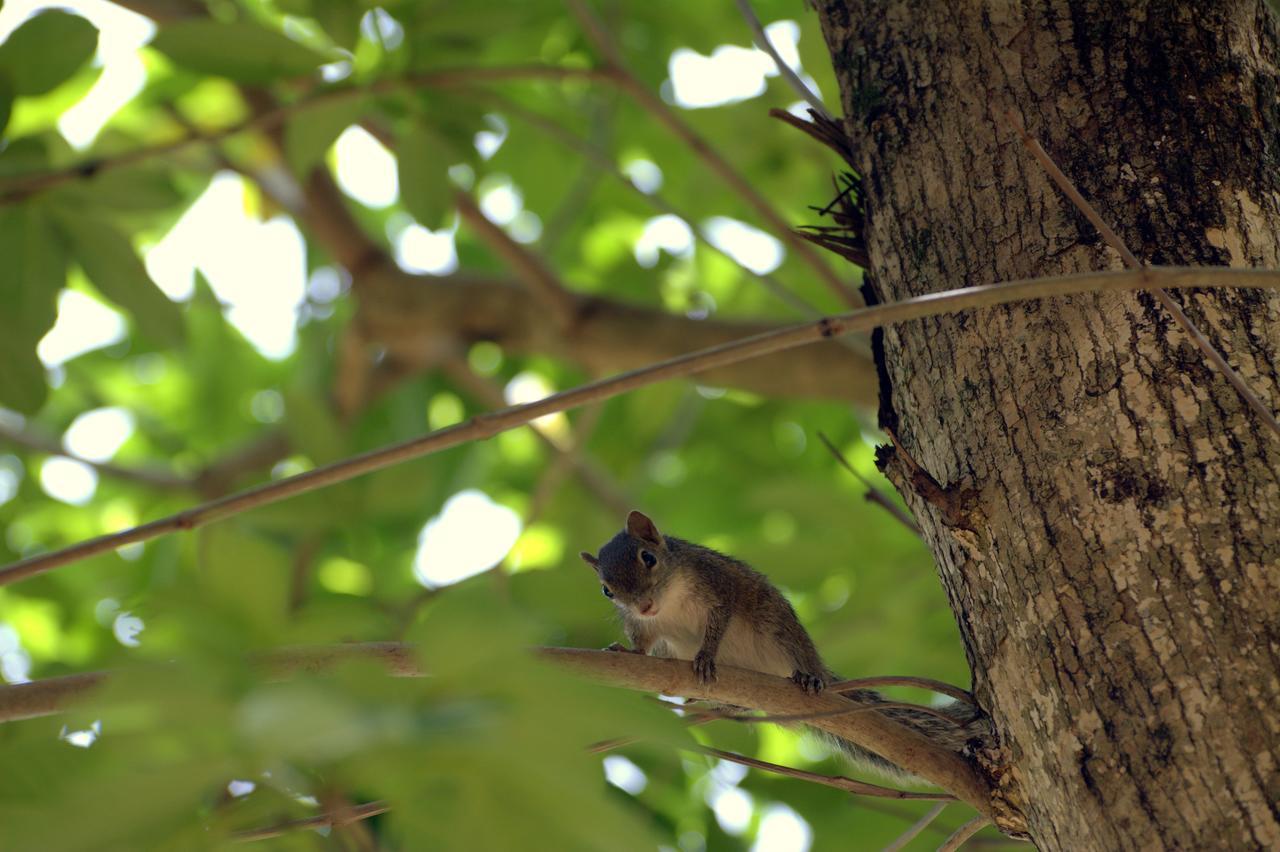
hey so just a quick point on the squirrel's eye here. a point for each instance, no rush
(648, 559)
(607, 593)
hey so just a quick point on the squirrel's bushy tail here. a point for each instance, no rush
(950, 735)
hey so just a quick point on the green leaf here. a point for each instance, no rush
(46, 50)
(6, 102)
(31, 276)
(313, 129)
(340, 19)
(22, 380)
(114, 268)
(424, 158)
(241, 51)
(145, 188)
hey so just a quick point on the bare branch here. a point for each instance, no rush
(849, 785)
(45, 697)
(905, 680)
(915, 829)
(907, 748)
(336, 818)
(1210, 352)
(596, 480)
(24, 186)
(651, 103)
(794, 81)
(487, 425)
(152, 477)
(536, 275)
(963, 833)
(873, 494)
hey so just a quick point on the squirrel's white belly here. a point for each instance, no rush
(681, 623)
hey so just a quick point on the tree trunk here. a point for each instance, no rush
(1108, 522)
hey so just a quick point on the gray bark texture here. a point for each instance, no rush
(1103, 507)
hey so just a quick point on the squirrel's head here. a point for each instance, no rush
(633, 566)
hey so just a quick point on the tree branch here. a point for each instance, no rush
(873, 494)
(896, 680)
(915, 828)
(655, 199)
(342, 816)
(599, 36)
(963, 833)
(563, 304)
(23, 186)
(776, 696)
(779, 696)
(596, 480)
(839, 782)
(487, 425)
(153, 477)
(793, 80)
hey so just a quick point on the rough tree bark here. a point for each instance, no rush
(1108, 522)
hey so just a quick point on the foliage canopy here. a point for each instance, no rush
(489, 751)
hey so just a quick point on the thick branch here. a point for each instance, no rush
(773, 695)
(488, 425)
(560, 302)
(779, 696)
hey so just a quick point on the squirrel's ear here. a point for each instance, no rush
(639, 526)
(588, 558)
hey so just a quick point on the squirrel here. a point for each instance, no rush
(682, 600)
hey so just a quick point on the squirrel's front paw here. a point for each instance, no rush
(704, 666)
(618, 646)
(811, 684)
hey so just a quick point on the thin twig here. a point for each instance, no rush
(23, 186)
(963, 833)
(793, 80)
(713, 714)
(875, 495)
(152, 477)
(596, 480)
(1210, 352)
(651, 103)
(487, 425)
(915, 829)
(343, 816)
(839, 782)
(905, 680)
(655, 199)
(563, 304)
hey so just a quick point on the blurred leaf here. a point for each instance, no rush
(145, 188)
(340, 19)
(312, 129)
(31, 275)
(22, 379)
(241, 51)
(424, 159)
(6, 102)
(46, 50)
(114, 268)
(313, 429)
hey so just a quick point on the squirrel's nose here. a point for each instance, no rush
(645, 606)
